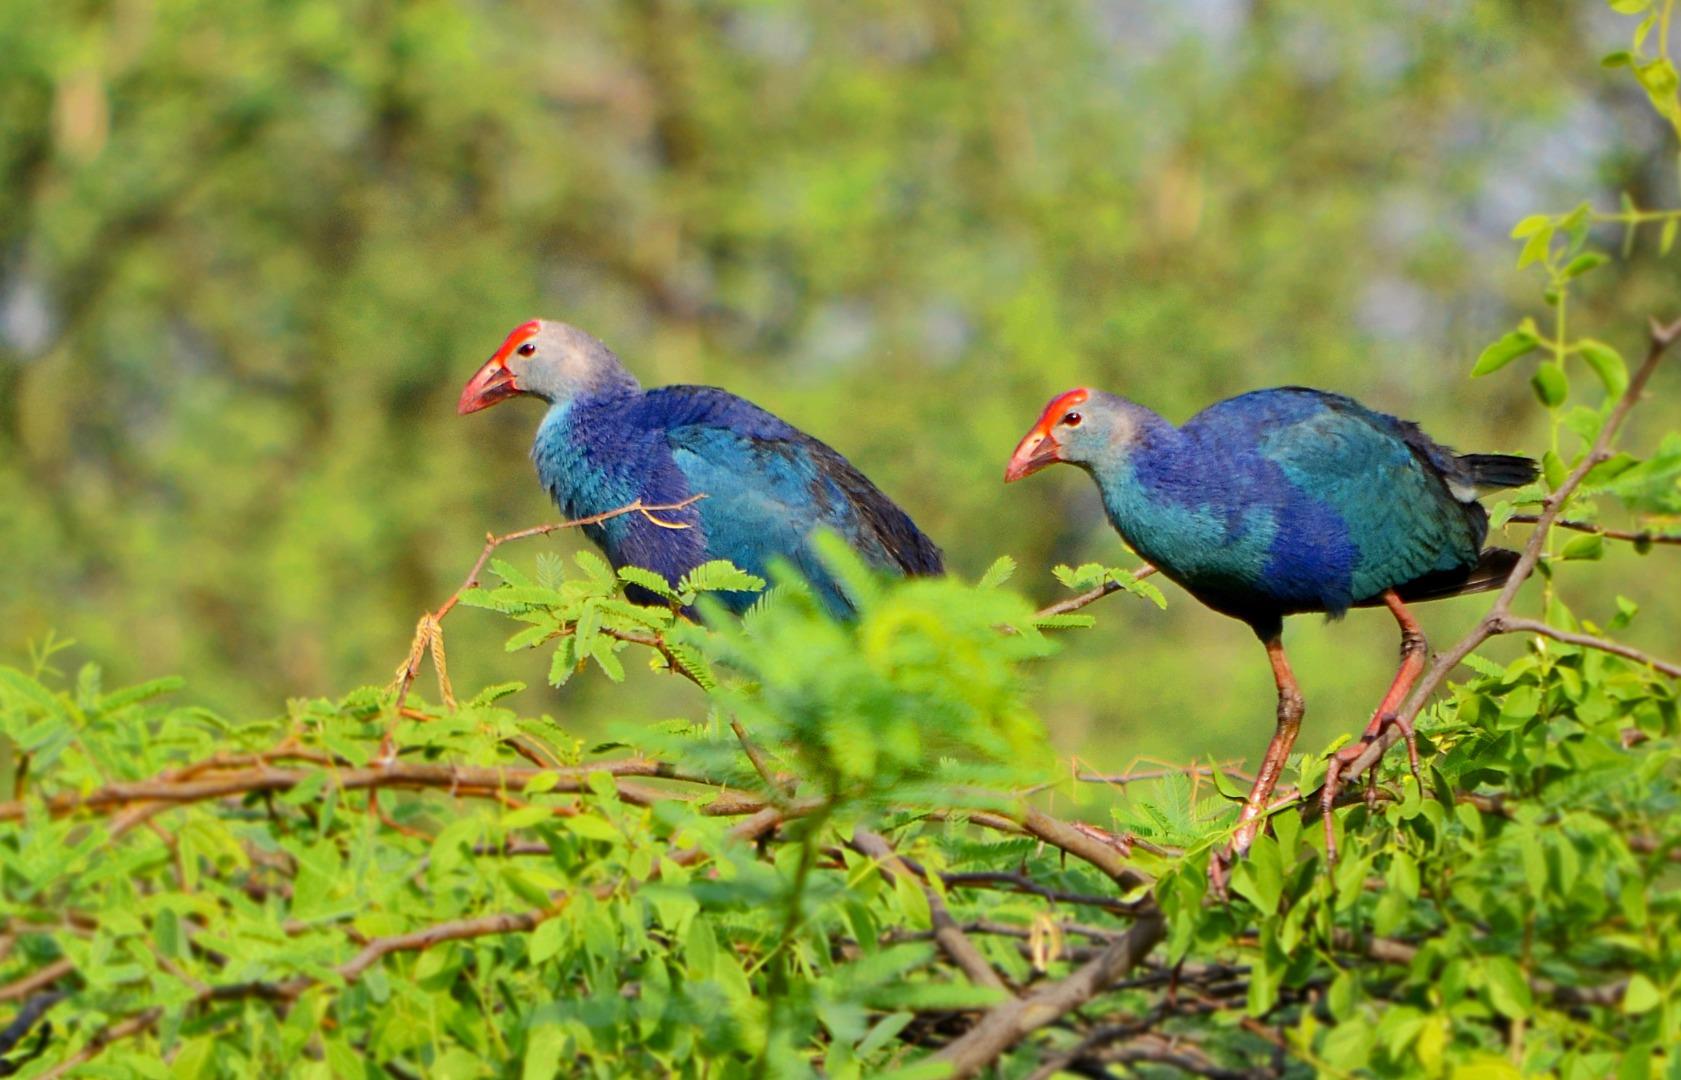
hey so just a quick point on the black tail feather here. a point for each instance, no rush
(1491, 572)
(1499, 470)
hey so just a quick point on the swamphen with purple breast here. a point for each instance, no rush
(607, 443)
(1284, 501)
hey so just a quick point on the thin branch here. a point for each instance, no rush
(35, 980)
(1006, 1024)
(1123, 779)
(947, 932)
(761, 764)
(1643, 536)
(122, 1029)
(429, 634)
(1091, 596)
(460, 780)
(1020, 883)
(1512, 624)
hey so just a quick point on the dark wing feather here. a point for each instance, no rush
(769, 485)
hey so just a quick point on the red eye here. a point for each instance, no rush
(527, 349)
(1072, 419)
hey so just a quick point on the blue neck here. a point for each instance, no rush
(582, 452)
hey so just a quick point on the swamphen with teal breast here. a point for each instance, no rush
(1284, 501)
(607, 443)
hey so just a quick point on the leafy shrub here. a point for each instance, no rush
(856, 856)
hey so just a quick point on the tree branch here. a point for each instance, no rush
(1091, 596)
(1512, 624)
(1006, 1024)
(428, 634)
(1552, 507)
(947, 932)
(1644, 536)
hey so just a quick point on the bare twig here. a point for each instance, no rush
(1021, 883)
(1643, 536)
(461, 780)
(36, 980)
(761, 764)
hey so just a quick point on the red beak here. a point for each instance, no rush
(490, 384)
(1036, 450)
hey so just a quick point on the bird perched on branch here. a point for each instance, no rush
(607, 443)
(1284, 501)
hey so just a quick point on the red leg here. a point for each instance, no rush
(1290, 709)
(1413, 651)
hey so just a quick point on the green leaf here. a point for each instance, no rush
(547, 940)
(1607, 363)
(1586, 261)
(1550, 384)
(1509, 347)
(605, 652)
(1535, 249)
(1259, 878)
(593, 827)
(647, 579)
(1508, 990)
(998, 573)
(1553, 469)
(719, 575)
(1641, 996)
(1587, 547)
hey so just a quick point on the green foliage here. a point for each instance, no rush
(250, 250)
(878, 706)
(638, 936)
(471, 889)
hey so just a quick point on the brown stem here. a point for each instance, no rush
(947, 932)
(1512, 624)
(1644, 536)
(463, 780)
(1006, 1024)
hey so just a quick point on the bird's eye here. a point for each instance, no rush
(1072, 419)
(528, 349)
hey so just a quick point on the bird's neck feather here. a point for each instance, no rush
(582, 451)
(1150, 481)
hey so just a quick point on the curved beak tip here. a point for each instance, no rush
(491, 383)
(1034, 453)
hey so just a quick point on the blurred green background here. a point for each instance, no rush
(251, 249)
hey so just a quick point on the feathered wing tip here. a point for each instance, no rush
(1492, 570)
(1499, 470)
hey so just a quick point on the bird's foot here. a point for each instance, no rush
(1347, 756)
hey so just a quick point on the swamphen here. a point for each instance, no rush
(607, 443)
(1285, 501)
